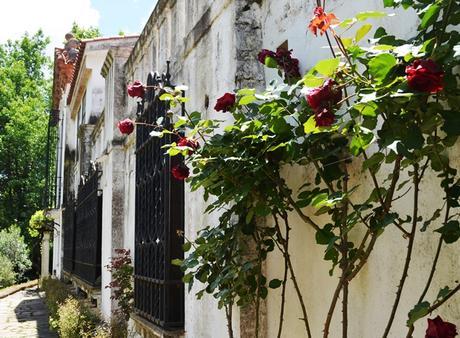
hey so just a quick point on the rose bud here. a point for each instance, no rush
(180, 172)
(187, 142)
(425, 76)
(136, 89)
(126, 126)
(324, 117)
(264, 53)
(226, 102)
(437, 328)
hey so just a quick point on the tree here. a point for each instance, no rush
(24, 104)
(85, 33)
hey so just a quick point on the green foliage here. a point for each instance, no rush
(70, 317)
(122, 282)
(38, 222)
(7, 274)
(56, 293)
(75, 320)
(24, 101)
(15, 250)
(82, 33)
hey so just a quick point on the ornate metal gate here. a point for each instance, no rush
(88, 229)
(158, 288)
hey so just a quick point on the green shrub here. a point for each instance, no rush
(69, 316)
(56, 294)
(14, 248)
(75, 320)
(7, 274)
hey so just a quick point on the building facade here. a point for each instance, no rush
(211, 47)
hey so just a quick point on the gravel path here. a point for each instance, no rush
(24, 314)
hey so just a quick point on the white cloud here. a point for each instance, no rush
(54, 17)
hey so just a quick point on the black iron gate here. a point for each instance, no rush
(68, 227)
(88, 229)
(158, 288)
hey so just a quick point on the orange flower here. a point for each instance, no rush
(322, 21)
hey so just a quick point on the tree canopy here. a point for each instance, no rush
(24, 112)
(85, 32)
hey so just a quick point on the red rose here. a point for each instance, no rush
(264, 53)
(226, 102)
(437, 328)
(289, 65)
(136, 89)
(425, 76)
(326, 95)
(187, 142)
(324, 117)
(126, 126)
(180, 172)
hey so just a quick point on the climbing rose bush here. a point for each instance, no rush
(386, 110)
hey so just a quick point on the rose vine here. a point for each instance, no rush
(390, 109)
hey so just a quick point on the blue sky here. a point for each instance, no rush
(128, 16)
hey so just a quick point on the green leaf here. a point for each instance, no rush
(310, 126)
(450, 232)
(430, 16)
(187, 246)
(312, 81)
(166, 97)
(177, 262)
(419, 311)
(249, 216)
(327, 67)
(246, 91)
(370, 15)
(373, 163)
(362, 31)
(245, 100)
(360, 141)
(388, 3)
(271, 62)
(380, 66)
(443, 293)
(366, 108)
(187, 278)
(275, 283)
(319, 199)
(182, 121)
(325, 236)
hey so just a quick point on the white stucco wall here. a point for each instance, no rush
(208, 68)
(373, 292)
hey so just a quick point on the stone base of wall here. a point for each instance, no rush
(139, 327)
(93, 292)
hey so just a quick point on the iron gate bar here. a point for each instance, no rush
(88, 229)
(158, 286)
